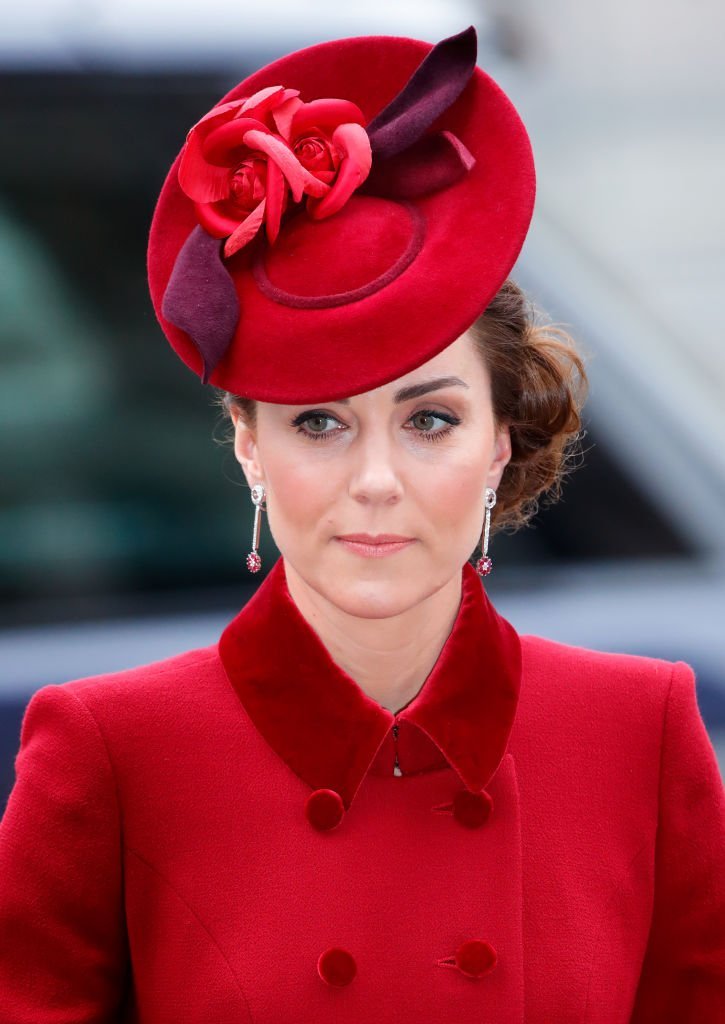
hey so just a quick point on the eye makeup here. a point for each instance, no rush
(426, 435)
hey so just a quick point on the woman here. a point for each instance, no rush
(372, 799)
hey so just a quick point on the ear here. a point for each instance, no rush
(501, 455)
(246, 450)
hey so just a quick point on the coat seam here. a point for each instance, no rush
(645, 845)
(114, 775)
(109, 759)
(191, 910)
(665, 718)
(119, 814)
(595, 944)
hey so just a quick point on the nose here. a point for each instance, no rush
(375, 474)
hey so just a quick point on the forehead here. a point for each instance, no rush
(459, 359)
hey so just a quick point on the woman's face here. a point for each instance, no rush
(381, 462)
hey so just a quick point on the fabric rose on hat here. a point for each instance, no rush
(243, 159)
(246, 160)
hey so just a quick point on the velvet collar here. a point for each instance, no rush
(331, 733)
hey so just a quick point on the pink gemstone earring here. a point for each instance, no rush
(484, 565)
(254, 562)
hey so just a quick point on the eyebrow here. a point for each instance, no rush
(416, 390)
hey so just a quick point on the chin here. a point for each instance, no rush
(372, 588)
(369, 598)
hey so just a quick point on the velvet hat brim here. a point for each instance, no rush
(333, 307)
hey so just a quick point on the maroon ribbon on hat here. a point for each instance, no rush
(200, 296)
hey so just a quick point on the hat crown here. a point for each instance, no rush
(394, 186)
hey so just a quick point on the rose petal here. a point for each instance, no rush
(352, 140)
(205, 162)
(232, 109)
(300, 179)
(257, 99)
(201, 181)
(246, 230)
(284, 113)
(220, 145)
(266, 101)
(348, 179)
(214, 220)
(326, 114)
(327, 176)
(200, 298)
(276, 191)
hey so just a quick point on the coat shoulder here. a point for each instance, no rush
(580, 698)
(149, 685)
(548, 662)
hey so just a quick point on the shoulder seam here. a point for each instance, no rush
(111, 766)
(665, 717)
(663, 728)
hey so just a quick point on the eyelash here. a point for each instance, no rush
(428, 435)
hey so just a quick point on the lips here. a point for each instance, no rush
(368, 545)
(380, 538)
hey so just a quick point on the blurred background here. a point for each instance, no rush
(124, 518)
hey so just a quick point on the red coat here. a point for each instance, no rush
(222, 837)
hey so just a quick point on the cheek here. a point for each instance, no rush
(457, 477)
(302, 491)
(450, 495)
(456, 498)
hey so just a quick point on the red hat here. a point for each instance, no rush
(340, 217)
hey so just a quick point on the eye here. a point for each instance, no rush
(436, 435)
(427, 434)
(313, 417)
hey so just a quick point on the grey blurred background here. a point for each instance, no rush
(124, 522)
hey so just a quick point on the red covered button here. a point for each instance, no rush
(472, 809)
(324, 808)
(475, 957)
(336, 966)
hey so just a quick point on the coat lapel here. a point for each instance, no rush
(329, 731)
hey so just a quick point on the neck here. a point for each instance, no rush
(389, 658)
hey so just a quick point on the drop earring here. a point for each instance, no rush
(254, 562)
(484, 565)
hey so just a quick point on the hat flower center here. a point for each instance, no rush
(248, 183)
(316, 154)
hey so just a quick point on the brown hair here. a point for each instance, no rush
(538, 385)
